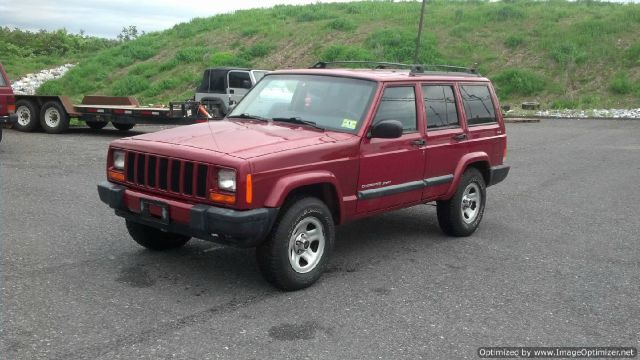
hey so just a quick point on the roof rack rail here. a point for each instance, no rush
(415, 68)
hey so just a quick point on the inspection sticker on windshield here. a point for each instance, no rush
(349, 124)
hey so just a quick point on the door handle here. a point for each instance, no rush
(231, 91)
(419, 142)
(459, 137)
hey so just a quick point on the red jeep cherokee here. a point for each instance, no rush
(306, 150)
(7, 101)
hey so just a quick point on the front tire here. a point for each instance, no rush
(298, 249)
(155, 239)
(122, 126)
(28, 114)
(53, 118)
(461, 215)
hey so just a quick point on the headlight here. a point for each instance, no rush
(227, 180)
(118, 160)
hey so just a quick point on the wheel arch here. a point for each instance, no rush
(322, 185)
(478, 160)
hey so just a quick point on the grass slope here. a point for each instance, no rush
(564, 54)
(23, 52)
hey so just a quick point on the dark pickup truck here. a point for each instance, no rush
(306, 150)
(7, 101)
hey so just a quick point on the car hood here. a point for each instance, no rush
(244, 138)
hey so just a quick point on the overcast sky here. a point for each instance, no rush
(106, 18)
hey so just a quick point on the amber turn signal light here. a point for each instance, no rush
(249, 194)
(115, 175)
(222, 198)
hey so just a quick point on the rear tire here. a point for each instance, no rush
(53, 118)
(28, 116)
(155, 239)
(96, 125)
(461, 215)
(297, 251)
(122, 126)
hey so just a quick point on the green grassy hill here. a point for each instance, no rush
(23, 52)
(564, 54)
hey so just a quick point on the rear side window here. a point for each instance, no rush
(478, 105)
(2, 82)
(440, 104)
(398, 103)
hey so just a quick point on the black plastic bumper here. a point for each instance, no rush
(11, 119)
(240, 228)
(497, 174)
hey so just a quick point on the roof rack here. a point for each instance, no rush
(415, 68)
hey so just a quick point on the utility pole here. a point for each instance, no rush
(415, 58)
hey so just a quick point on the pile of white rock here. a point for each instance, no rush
(28, 84)
(594, 113)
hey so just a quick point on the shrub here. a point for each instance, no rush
(563, 103)
(129, 85)
(513, 41)
(313, 13)
(345, 52)
(51, 87)
(632, 54)
(191, 54)
(248, 32)
(257, 50)
(399, 46)
(620, 84)
(567, 53)
(505, 13)
(341, 25)
(228, 59)
(168, 65)
(137, 50)
(518, 82)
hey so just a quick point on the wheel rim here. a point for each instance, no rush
(24, 115)
(470, 205)
(306, 245)
(52, 117)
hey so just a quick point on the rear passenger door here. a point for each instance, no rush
(481, 113)
(445, 134)
(391, 169)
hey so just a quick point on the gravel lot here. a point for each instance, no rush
(554, 263)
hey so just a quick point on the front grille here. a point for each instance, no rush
(182, 177)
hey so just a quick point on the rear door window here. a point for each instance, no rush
(2, 82)
(239, 80)
(440, 105)
(398, 103)
(478, 105)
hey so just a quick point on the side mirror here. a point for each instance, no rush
(387, 129)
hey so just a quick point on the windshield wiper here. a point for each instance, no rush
(297, 120)
(249, 116)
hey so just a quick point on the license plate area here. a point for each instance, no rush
(155, 211)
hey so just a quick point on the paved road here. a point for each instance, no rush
(555, 262)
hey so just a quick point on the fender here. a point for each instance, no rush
(462, 166)
(286, 184)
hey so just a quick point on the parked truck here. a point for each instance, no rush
(220, 89)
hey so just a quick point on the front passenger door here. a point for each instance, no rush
(391, 169)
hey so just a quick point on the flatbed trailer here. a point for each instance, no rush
(53, 113)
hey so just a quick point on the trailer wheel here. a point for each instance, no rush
(53, 118)
(122, 126)
(96, 125)
(28, 114)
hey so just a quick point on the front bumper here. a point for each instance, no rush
(497, 174)
(240, 228)
(10, 119)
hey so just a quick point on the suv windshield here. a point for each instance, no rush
(327, 102)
